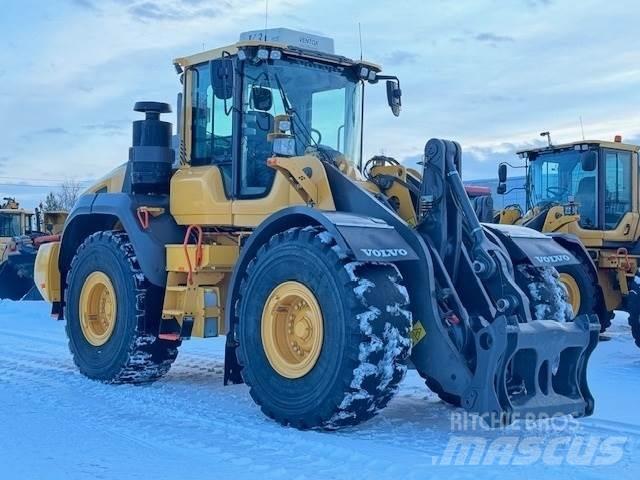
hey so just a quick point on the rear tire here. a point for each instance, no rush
(365, 332)
(131, 353)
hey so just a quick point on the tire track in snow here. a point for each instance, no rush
(189, 417)
(166, 400)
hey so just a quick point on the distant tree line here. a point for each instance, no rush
(64, 199)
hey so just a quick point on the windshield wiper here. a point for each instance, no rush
(291, 111)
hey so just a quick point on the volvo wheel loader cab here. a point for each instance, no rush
(325, 277)
(589, 189)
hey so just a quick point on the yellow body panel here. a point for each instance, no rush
(46, 274)
(401, 193)
(111, 182)
(557, 221)
(509, 216)
(198, 197)
(200, 297)
(251, 212)
(214, 257)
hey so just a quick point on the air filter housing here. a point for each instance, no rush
(151, 156)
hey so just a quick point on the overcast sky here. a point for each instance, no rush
(490, 74)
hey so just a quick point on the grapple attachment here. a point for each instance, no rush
(537, 368)
(509, 364)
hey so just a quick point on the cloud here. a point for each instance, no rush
(85, 4)
(538, 3)
(488, 38)
(51, 131)
(493, 38)
(157, 10)
(107, 128)
(400, 57)
(149, 11)
(480, 162)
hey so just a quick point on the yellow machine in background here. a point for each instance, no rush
(588, 189)
(325, 274)
(21, 234)
(16, 271)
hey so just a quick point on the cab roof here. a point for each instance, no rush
(16, 211)
(600, 143)
(233, 49)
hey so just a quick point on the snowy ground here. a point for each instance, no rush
(56, 424)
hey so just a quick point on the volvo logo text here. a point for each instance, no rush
(552, 258)
(383, 253)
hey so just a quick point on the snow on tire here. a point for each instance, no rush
(366, 324)
(548, 297)
(132, 353)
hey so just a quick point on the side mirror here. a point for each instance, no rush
(502, 172)
(261, 99)
(589, 161)
(502, 188)
(221, 72)
(394, 96)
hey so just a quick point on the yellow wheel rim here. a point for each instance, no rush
(97, 309)
(573, 292)
(292, 329)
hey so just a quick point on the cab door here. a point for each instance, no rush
(202, 190)
(618, 205)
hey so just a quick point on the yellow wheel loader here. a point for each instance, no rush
(326, 275)
(16, 252)
(589, 190)
(21, 233)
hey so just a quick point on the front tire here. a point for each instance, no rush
(113, 314)
(633, 307)
(548, 298)
(584, 294)
(365, 324)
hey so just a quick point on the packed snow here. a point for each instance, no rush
(56, 424)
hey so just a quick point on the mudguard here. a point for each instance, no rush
(363, 238)
(525, 243)
(103, 211)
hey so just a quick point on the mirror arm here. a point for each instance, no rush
(512, 166)
(514, 188)
(388, 77)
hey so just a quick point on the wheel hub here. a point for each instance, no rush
(292, 329)
(97, 309)
(573, 291)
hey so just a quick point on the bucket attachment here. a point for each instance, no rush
(539, 369)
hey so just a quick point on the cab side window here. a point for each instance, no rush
(212, 125)
(617, 187)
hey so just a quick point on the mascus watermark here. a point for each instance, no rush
(552, 441)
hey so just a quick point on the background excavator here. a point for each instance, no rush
(326, 274)
(588, 189)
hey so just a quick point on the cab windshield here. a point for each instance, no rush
(9, 225)
(556, 176)
(325, 102)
